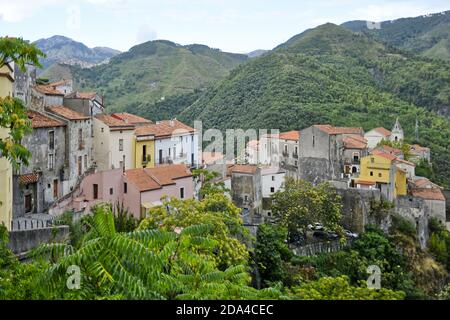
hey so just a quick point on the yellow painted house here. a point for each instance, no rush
(144, 148)
(380, 169)
(6, 88)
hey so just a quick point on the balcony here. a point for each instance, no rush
(295, 155)
(146, 159)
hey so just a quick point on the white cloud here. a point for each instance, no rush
(18, 10)
(146, 33)
(74, 17)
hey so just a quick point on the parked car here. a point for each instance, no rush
(325, 235)
(315, 226)
(296, 239)
(350, 234)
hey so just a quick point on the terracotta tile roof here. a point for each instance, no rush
(338, 130)
(419, 148)
(86, 95)
(390, 150)
(291, 135)
(130, 118)
(59, 83)
(384, 155)
(38, 120)
(114, 122)
(244, 168)
(355, 142)
(253, 143)
(67, 113)
(163, 129)
(423, 183)
(48, 90)
(158, 177)
(428, 193)
(383, 131)
(28, 178)
(405, 162)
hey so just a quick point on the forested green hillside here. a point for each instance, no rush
(332, 75)
(154, 71)
(428, 35)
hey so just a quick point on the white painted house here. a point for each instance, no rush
(175, 143)
(272, 181)
(113, 143)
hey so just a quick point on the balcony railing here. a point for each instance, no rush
(146, 159)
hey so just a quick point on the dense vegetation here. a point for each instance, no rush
(198, 250)
(154, 71)
(427, 35)
(332, 75)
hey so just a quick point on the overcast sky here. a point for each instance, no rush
(231, 25)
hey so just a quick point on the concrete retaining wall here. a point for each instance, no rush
(25, 240)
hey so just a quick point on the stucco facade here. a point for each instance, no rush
(6, 188)
(113, 144)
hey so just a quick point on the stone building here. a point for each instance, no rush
(355, 148)
(79, 143)
(39, 184)
(23, 83)
(246, 189)
(321, 154)
(43, 96)
(272, 181)
(418, 153)
(87, 103)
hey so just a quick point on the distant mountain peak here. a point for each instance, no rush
(61, 49)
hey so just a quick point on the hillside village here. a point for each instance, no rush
(83, 156)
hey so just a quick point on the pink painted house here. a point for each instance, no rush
(144, 188)
(138, 189)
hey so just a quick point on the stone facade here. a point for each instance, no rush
(246, 189)
(49, 163)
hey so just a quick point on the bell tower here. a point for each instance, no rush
(397, 132)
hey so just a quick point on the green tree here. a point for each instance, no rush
(300, 204)
(271, 251)
(339, 288)
(209, 187)
(215, 210)
(12, 112)
(145, 264)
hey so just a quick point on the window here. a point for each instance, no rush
(295, 163)
(286, 148)
(269, 214)
(55, 189)
(95, 190)
(356, 157)
(272, 189)
(80, 139)
(125, 187)
(314, 141)
(120, 144)
(80, 165)
(273, 178)
(144, 153)
(379, 175)
(51, 162)
(102, 129)
(371, 173)
(181, 193)
(85, 162)
(111, 191)
(51, 140)
(246, 198)
(372, 160)
(296, 150)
